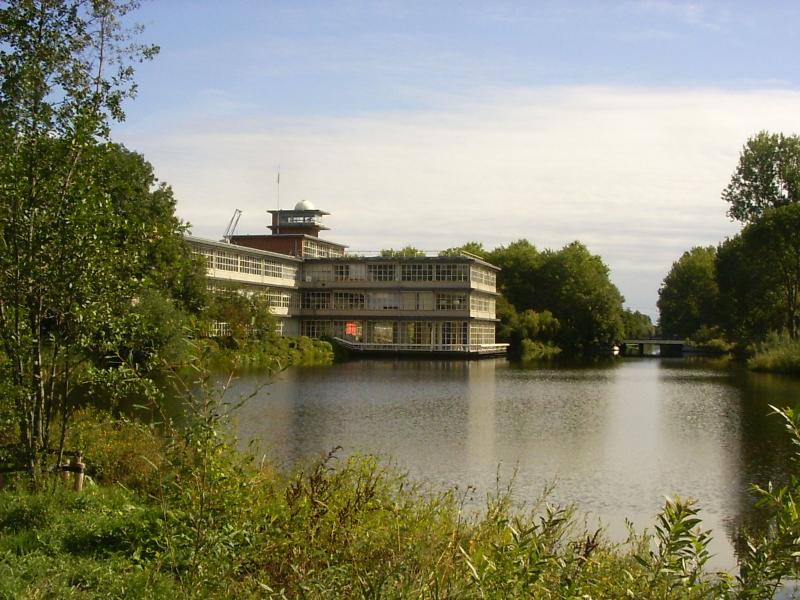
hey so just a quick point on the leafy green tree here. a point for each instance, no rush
(66, 68)
(574, 285)
(759, 276)
(475, 248)
(406, 251)
(747, 309)
(571, 285)
(147, 207)
(767, 176)
(689, 295)
(637, 325)
(244, 316)
(519, 262)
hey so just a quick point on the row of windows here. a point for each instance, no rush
(483, 304)
(388, 272)
(481, 333)
(313, 249)
(401, 332)
(451, 301)
(484, 276)
(226, 260)
(345, 300)
(279, 299)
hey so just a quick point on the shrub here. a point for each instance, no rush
(779, 353)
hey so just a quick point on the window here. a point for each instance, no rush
(380, 272)
(272, 268)
(482, 304)
(417, 272)
(316, 329)
(279, 299)
(289, 272)
(226, 261)
(484, 277)
(481, 333)
(349, 300)
(316, 300)
(454, 332)
(250, 264)
(341, 272)
(451, 301)
(452, 272)
(383, 301)
(208, 255)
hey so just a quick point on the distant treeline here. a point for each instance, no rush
(744, 294)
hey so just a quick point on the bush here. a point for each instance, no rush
(117, 450)
(777, 354)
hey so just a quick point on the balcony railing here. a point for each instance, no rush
(459, 348)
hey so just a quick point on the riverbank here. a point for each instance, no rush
(187, 516)
(778, 354)
(180, 512)
(272, 353)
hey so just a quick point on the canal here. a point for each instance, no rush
(615, 437)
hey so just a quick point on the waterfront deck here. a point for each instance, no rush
(462, 350)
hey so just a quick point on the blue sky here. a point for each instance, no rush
(436, 123)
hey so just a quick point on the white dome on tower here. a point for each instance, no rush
(304, 205)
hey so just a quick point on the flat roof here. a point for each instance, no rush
(229, 246)
(268, 236)
(407, 259)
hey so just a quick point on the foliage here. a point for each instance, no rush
(518, 262)
(569, 289)
(759, 277)
(637, 325)
(779, 353)
(214, 525)
(273, 352)
(64, 273)
(474, 248)
(119, 451)
(239, 316)
(147, 207)
(405, 251)
(771, 556)
(574, 285)
(767, 176)
(688, 297)
(711, 340)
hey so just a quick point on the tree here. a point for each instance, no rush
(518, 262)
(688, 297)
(767, 176)
(474, 248)
(759, 276)
(147, 207)
(637, 325)
(574, 285)
(67, 67)
(406, 251)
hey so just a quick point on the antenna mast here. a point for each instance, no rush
(278, 222)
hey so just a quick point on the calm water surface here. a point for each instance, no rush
(616, 438)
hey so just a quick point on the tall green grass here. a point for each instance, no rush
(778, 354)
(195, 518)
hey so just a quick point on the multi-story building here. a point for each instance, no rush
(442, 304)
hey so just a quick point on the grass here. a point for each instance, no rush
(778, 354)
(182, 514)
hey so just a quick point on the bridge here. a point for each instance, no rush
(665, 347)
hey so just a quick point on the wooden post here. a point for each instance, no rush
(78, 468)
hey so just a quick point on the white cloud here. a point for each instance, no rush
(636, 174)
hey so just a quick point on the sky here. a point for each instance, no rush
(615, 123)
